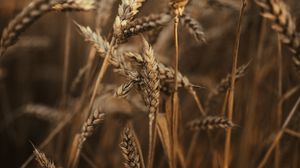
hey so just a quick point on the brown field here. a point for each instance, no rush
(150, 83)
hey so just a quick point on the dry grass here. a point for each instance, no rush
(185, 83)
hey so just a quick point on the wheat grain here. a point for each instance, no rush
(89, 125)
(75, 5)
(124, 89)
(126, 12)
(194, 27)
(209, 123)
(129, 148)
(147, 23)
(100, 44)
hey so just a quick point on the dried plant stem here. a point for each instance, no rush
(197, 100)
(279, 106)
(102, 71)
(279, 135)
(88, 160)
(232, 88)
(175, 102)
(152, 143)
(176, 20)
(66, 60)
(191, 149)
(292, 132)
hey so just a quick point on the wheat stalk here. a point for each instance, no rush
(150, 91)
(231, 92)
(178, 8)
(166, 74)
(149, 85)
(126, 12)
(284, 24)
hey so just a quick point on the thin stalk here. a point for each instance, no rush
(174, 123)
(279, 106)
(198, 102)
(279, 135)
(232, 88)
(292, 132)
(152, 143)
(66, 60)
(102, 71)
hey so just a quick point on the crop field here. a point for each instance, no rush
(150, 83)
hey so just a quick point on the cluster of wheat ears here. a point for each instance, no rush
(148, 85)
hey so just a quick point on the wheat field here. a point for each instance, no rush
(150, 83)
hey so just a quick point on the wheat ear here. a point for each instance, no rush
(87, 130)
(209, 123)
(43, 112)
(284, 24)
(75, 5)
(130, 148)
(41, 158)
(22, 21)
(193, 26)
(150, 90)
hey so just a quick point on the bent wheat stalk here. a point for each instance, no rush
(33, 12)
(22, 21)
